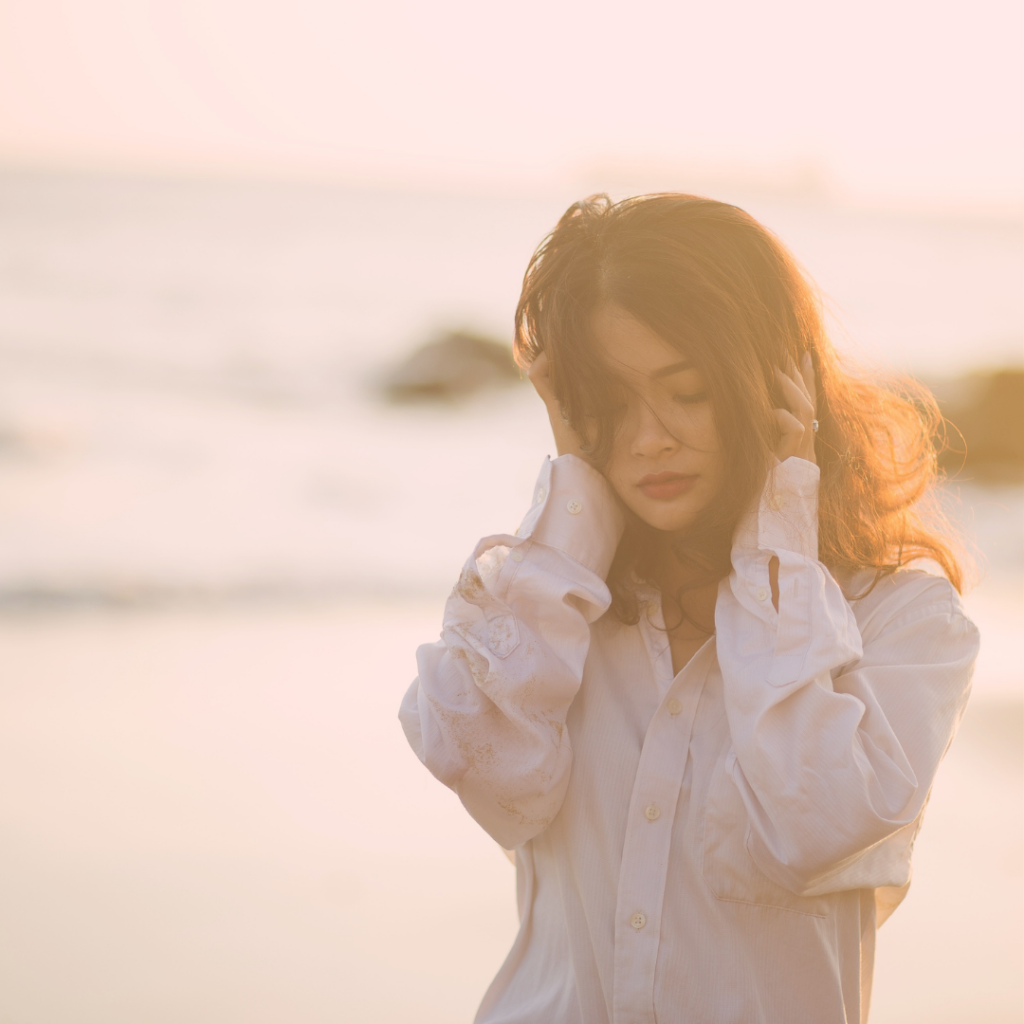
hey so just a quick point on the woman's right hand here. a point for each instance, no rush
(567, 441)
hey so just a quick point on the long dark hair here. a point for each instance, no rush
(723, 290)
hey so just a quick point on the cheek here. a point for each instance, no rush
(621, 472)
(616, 469)
(695, 427)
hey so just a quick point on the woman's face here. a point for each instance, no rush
(666, 462)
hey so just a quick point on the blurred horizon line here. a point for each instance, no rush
(802, 181)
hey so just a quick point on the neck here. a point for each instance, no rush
(688, 598)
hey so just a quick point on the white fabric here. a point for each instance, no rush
(702, 847)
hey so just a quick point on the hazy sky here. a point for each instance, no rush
(885, 100)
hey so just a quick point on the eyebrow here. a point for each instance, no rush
(667, 371)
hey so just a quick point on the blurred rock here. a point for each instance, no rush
(985, 438)
(34, 438)
(455, 365)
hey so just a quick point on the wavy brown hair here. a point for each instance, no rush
(723, 290)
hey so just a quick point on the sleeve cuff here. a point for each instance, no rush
(575, 511)
(787, 516)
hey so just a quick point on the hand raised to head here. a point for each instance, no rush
(797, 423)
(567, 441)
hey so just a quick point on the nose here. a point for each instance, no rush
(649, 437)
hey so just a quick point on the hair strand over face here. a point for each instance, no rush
(720, 288)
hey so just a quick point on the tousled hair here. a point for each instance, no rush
(720, 288)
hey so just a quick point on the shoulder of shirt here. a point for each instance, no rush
(902, 595)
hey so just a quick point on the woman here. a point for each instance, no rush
(700, 693)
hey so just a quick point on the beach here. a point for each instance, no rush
(214, 816)
(220, 547)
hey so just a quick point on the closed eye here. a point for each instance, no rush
(691, 399)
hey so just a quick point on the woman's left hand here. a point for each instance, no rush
(796, 421)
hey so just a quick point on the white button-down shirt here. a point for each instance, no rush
(715, 846)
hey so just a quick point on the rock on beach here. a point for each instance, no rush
(456, 364)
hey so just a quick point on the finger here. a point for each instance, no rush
(539, 374)
(791, 374)
(781, 379)
(540, 367)
(810, 378)
(789, 424)
(799, 403)
(796, 376)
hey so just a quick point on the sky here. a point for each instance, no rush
(890, 102)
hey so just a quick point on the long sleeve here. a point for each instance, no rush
(837, 730)
(487, 712)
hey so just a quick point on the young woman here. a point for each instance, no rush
(700, 692)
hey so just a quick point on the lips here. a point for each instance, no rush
(663, 486)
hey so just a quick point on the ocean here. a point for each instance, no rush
(220, 545)
(189, 373)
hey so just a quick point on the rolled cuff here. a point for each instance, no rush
(576, 511)
(787, 517)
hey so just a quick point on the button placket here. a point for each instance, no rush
(646, 850)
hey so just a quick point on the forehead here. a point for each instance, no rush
(629, 346)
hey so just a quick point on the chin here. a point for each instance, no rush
(667, 519)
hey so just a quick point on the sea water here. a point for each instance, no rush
(190, 373)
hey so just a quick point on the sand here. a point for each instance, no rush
(212, 816)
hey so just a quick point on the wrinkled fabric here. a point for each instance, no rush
(713, 845)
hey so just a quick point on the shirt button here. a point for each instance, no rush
(540, 495)
(762, 594)
(674, 706)
(652, 812)
(517, 556)
(574, 507)
(638, 920)
(652, 608)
